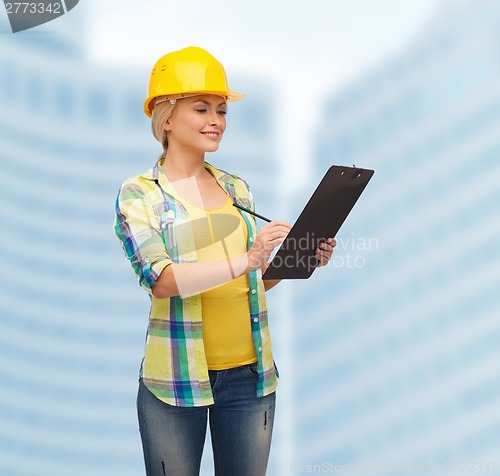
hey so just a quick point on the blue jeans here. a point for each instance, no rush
(241, 426)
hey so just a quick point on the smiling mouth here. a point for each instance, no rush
(213, 135)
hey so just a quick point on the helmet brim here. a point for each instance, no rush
(229, 96)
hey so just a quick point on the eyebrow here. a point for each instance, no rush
(208, 104)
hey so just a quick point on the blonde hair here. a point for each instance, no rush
(161, 114)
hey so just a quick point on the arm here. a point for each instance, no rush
(184, 279)
(190, 278)
(138, 229)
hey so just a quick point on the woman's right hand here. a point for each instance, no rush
(268, 237)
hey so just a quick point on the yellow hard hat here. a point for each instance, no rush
(188, 72)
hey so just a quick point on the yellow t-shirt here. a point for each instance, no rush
(227, 337)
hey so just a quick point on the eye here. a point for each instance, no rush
(200, 110)
(222, 112)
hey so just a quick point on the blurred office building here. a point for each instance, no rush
(73, 318)
(396, 350)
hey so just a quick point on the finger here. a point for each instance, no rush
(282, 228)
(273, 231)
(277, 223)
(276, 234)
(321, 263)
(280, 222)
(332, 242)
(323, 256)
(329, 245)
(277, 241)
(326, 247)
(270, 242)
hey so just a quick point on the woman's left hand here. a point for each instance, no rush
(324, 252)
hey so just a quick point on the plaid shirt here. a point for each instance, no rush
(174, 367)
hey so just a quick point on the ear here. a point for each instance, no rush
(167, 126)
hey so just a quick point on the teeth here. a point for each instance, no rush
(211, 134)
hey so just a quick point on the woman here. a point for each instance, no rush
(208, 349)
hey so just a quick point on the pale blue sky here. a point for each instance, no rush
(329, 39)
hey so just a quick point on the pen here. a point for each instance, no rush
(251, 213)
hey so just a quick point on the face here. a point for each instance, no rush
(197, 123)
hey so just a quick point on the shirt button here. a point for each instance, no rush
(253, 291)
(147, 259)
(255, 319)
(163, 225)
(260, 349)
(251, 239)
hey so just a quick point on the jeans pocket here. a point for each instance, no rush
(253, 369)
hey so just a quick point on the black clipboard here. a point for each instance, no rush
(322, 217)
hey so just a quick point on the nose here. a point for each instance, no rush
(214, 119)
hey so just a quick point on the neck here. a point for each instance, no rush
(182, 164)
